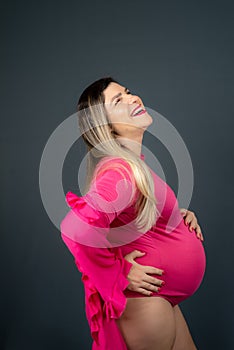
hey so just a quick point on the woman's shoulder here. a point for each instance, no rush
(114, 166)
(112, 160)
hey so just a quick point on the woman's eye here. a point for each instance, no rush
(117, 101)
(128, 93)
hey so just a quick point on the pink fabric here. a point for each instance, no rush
(92, 231)
(104, 277)
(104, 271)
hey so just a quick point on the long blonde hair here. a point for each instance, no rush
(101, 141)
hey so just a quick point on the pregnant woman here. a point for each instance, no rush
(140, 255)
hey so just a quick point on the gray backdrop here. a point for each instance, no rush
(178, 56)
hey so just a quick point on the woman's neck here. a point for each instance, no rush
(134, 145)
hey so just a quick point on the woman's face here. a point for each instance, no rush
(125, 111)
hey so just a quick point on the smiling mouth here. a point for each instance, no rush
(138, 112)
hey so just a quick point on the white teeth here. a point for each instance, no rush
(137, 112)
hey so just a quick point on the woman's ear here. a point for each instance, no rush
(113, 132)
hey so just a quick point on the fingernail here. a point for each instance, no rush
(162, 283)
(159, 289)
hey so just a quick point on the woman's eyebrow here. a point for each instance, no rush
(118, 95)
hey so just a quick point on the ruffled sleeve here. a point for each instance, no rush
(104, 270)
(104, 275)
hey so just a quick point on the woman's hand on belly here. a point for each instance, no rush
(138, 276)
(190, 218)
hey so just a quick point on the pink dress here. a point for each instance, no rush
(99, 232)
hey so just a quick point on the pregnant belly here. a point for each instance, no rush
(180, 254)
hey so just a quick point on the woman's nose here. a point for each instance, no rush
(133, 99)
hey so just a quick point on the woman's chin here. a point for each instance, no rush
(148, 121)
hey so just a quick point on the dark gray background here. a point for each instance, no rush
(178, 56)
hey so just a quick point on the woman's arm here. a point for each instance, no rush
(85, 229)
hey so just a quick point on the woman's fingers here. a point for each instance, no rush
(147, 290)
(194, 225)
(141, 281)
(200, 236)
(143, 291)
(199, 233)
(191, 220)
(154, 281)
(151, 269)
(138, 276)
(134, 254)
(150, 287)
